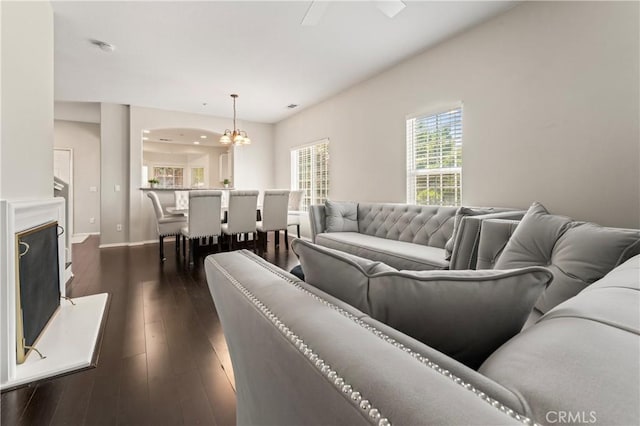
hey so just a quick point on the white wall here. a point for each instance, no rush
(86, 112)
(26, 151)
(114, 174)
(551, 113)
(253, 164)
(26, 127)
(84, 141)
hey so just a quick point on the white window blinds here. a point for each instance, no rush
(434, 159)
(310, 172)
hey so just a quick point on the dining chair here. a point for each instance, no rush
(204, 219)
(225, 197)
(166, 225)
(225, 204)
(182, 200)
(295, 209)
(275, 205)
(241, 217)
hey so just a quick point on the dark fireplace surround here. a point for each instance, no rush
(37, 284)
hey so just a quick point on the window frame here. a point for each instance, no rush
(192, 174)
(173, 178)
(413, 173)
(318, 191)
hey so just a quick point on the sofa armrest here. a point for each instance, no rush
(494, 235)
(300, 359)
(317, 220)
(465, 246)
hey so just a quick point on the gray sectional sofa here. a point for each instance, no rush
(341, 351)
(404, 236)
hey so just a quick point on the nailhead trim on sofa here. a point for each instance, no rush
(417, 356)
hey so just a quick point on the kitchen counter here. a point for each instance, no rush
(146, 188)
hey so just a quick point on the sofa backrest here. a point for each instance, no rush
(578, 253)
(302, 357)
(581, 358)
(426, 225)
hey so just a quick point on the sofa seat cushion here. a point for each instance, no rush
(398, 254)
(580, 353)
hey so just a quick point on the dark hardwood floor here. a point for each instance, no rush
(163, 360)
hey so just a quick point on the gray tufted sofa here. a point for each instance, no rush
(408, 237)
(303, 357)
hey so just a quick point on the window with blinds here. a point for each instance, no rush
(310, 172)
(434, 159)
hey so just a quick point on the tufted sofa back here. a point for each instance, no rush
(426, 225)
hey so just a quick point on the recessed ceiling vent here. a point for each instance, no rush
(292, 106)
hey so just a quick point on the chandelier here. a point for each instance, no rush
(237, 136)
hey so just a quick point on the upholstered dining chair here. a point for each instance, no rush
(275, 205)
(295, 209)
(165, 225)
(241, 217)
(204, 219)
(182, 199)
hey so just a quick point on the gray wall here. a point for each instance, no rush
(114, 170)
(26, 151)
(551, 113)
(84, 140)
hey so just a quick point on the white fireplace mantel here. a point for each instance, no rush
(17, 216)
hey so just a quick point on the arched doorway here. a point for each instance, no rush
(185, 158)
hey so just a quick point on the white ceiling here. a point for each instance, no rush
(183, 137)
(176, 55)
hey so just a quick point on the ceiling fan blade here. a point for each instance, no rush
(391, 7)
(314, 13)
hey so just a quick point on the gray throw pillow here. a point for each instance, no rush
(464, 314)
(578, 253)
(460, 214)
(342, 275)
(341, 216)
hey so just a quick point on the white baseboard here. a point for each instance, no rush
(142, 243)
(134, 244)
(82, 234)
(110, 245)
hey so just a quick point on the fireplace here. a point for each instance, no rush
(71, 334)
(38, 284)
